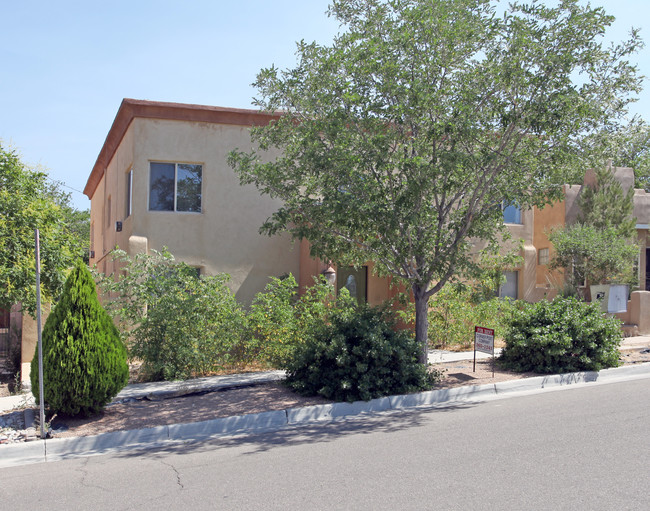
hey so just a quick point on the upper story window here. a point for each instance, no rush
(175, 187)
(511, 214)
(129, 194)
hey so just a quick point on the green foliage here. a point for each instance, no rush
(564, 335)
(78, 224)
(359, 356)
(84, 360)
(627, 145)
(606, 206)
(28, 202)
(600, 248)
(400, 139)
(599, 256)
(279, 320)
(454, 312)
(180, 325)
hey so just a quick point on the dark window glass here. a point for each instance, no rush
(175, 187)
(161, 191)
(188, 191)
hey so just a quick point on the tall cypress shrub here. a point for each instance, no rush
(84, 359)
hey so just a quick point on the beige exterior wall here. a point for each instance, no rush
(224, 237)
(549, 217)
(29, 341)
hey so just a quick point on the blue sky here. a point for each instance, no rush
(68, 64)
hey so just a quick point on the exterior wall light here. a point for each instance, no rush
(330, 274)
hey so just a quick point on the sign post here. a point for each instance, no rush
(40, 335)
(484, 342)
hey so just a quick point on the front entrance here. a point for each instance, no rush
(355, 281)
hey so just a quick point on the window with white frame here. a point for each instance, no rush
(129, 194)
(175, 187)
(511, 214)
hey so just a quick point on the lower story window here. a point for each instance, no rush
(542, 256)
(509, 288)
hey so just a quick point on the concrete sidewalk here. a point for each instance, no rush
(61, 448)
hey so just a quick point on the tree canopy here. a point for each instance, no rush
(606, 206)
(600, 248)
(28, 201)
(627, 144)
(402, 139)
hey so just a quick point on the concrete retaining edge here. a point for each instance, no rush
(61, 448)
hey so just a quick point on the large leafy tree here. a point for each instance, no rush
(402, 138)
(626, 144)
(29, 201)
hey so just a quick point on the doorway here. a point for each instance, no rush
(355, 281)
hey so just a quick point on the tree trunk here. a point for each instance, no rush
(421, 323)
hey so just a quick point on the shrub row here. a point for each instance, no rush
(455, 310)
(564, 335)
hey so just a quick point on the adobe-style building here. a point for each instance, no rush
(162, 180)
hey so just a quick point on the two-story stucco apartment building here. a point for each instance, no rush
(162, 180)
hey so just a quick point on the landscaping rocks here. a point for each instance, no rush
(13, 430)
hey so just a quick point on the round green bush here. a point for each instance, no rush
(359, 356)
(564, 335)
(84, 360)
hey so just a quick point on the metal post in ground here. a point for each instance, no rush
(40, 336)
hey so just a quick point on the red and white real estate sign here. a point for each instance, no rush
(484, 340)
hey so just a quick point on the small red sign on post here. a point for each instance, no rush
(484, 342)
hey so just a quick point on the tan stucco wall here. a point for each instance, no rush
(29, 340)
(519, 233)
(549, 217)
(224, 237)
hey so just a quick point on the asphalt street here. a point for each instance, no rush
(581, 448)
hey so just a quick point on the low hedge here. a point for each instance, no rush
(564, 335)
(358, 356)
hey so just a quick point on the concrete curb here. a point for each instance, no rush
(62, 448)
(228, 425)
